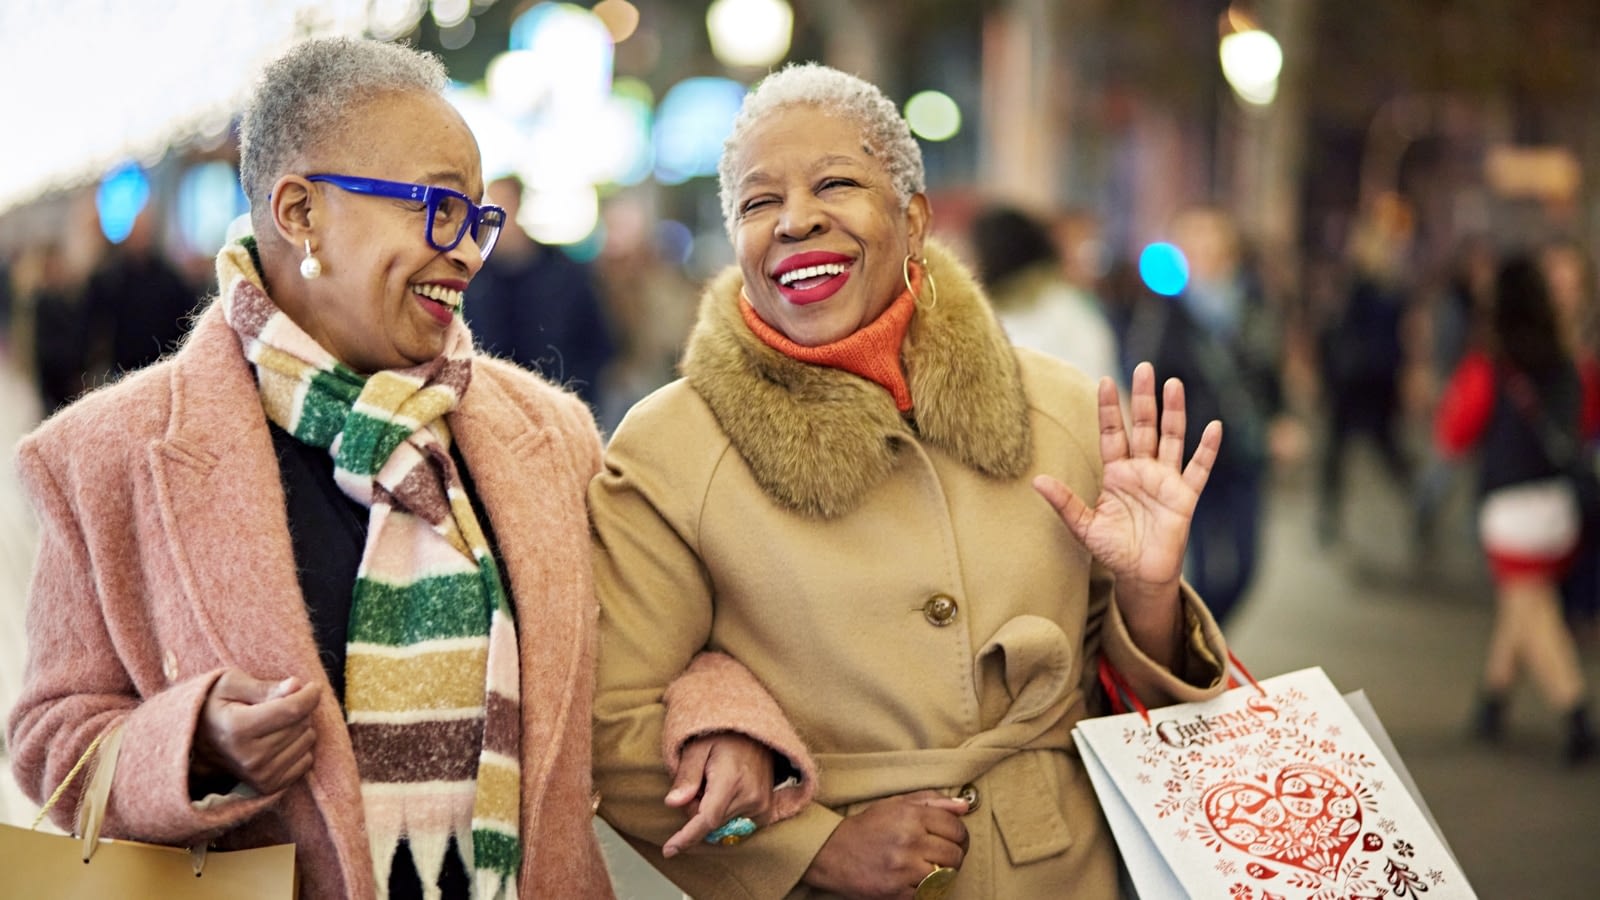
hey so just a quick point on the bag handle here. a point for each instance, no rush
(1123, 698)
(102, 754)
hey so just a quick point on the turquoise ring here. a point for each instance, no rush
(732, 832)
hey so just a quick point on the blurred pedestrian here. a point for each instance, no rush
(136, 303)
(1523, 406)
(650, 301)
(536, 306)
(1362, 355)
(1458, 323)
(60, 333)
(1039, 309)
(1224, 543)
(1570, 272)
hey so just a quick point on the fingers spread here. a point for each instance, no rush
(1142, 436)
(1074, 513)
(1174, 421)
(1113, 438)
(1198, 472)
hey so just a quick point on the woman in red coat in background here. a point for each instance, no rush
(1522, 404)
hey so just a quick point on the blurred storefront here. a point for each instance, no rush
(1288, 113)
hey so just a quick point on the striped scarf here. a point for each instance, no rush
(431, 672)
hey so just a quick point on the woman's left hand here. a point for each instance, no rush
(719, 776)
(1139, 526)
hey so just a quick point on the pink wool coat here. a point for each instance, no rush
(165, 557)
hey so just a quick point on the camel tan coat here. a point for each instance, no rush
(786, 515)
(165, 557)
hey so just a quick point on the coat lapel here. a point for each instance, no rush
(222, 504)
(525, 481)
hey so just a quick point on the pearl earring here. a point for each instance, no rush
(310, 267)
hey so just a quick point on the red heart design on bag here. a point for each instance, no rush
(1304, 817)
(1257, 870)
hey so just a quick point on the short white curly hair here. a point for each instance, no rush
(305, 96)
(884, 133)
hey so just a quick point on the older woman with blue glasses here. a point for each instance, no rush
(274, 560)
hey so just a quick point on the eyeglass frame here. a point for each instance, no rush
(432, 195)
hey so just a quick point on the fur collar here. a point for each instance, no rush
(817, 438)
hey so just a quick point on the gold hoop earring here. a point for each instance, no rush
(310, 267)
(927, 275)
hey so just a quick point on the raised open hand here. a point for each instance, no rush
(1139, 525)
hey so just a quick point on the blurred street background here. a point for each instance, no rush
(1297, 205)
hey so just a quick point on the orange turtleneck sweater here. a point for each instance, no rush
(872, 352)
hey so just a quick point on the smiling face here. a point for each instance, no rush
(386, 298)
(819, 232)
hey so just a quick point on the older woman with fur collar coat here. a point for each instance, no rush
(920, 540)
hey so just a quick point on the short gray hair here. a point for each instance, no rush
(304, 96)
(884, 133)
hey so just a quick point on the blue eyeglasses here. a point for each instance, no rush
(451, 214)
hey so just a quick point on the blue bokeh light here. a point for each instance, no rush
(1164, 269)
(119, 200)
(209, 199)
(694, 118)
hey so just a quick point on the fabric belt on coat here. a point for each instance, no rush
(1036, 660)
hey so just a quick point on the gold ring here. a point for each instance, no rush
(936, 884)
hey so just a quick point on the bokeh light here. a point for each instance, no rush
(620, 16)
(450, 13)
(1164, 269)
(753, 33)
(119, 200)
(562, 215)
(933, 116)
(1251, 61)
(391, 19)
(209, 199)
(695, 117)
(570, 54)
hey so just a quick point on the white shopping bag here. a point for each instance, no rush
(1282, 791)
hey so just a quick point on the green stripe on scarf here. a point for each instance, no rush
(320, 423)
(425, 610)
(394, 423)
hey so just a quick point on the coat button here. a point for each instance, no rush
(940, 609)
(969, 793)
(169, 667)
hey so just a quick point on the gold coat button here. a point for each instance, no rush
(940, 609)
(969, 793)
